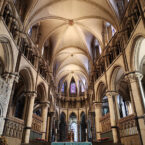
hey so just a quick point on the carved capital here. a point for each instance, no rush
(110, 94)
(133, 76)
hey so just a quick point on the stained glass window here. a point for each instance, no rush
(82, 89)
(62, 88)
(73, 88)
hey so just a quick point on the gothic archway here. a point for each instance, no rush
(19, 98)
(73, 126)
(123, 99)
(62, 127)
(83, 127)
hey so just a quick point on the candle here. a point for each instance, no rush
(56, 130)
(86, 130)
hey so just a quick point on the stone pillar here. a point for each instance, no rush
(31, 96)
(90, 93)
(6, 83)
(78, 125)
(117, 108)
(98, 114)
(44, 117)
(134, 79)
(48, 126)
(111, 95)
(51, 126)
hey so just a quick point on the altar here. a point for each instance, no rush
(71, 143)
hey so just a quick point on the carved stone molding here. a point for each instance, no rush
(97, 104)
(31, 94)
(45, 104)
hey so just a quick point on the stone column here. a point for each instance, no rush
(44, 117)
(32, 96)
(6, 83)
(117, 108)
(47, 132)
(98, 114)
(78, 125)
(90, 93)
(51, 125)
(134, 79)
(111, 95)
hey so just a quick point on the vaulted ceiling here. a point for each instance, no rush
(71, 25)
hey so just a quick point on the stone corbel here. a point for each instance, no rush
(133, 76)
(111, 93)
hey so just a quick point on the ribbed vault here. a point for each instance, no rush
(70, 26)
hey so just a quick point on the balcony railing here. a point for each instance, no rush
(14, 127)
(127, 126)
(105, 123)
(37, 123)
